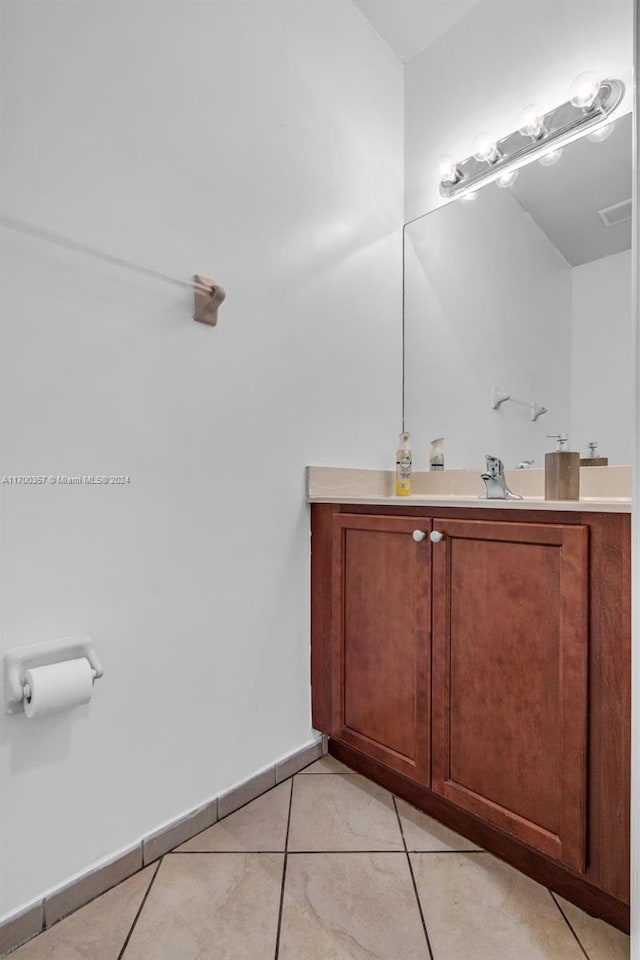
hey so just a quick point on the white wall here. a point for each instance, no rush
(487, 303)
(601, 357)
(259, 143)
(493, 62)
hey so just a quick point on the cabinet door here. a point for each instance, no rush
(510, 679)
(381, 619)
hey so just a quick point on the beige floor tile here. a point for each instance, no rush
(478, 908)
(95, 932)
(342, 813)
(222, 906)
(261, 825)
(601, 941)
(326, 764)
(350, 906)
(422, 832)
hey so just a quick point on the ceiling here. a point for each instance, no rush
(408, 26)
(564, 199)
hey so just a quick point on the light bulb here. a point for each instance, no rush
(550, 158)
(448, 170)
(485, 148)
(532, 122)
(602, 134)
(585, 89)
(469, 197)
(507, 179)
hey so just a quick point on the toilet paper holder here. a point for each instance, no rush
(42, 655)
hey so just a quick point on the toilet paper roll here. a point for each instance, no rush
(58, 686)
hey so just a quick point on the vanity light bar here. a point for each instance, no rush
(561, 125)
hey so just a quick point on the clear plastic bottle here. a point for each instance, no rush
(403, 467)
(436, 457)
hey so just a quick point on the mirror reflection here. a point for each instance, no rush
(525, 290)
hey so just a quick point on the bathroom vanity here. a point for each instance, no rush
(474, 658)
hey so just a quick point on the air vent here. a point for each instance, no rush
(618, 213)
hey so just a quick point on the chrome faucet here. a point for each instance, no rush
(496, 484)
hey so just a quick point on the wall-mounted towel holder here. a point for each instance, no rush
(207, 300)
(498, 397)
(207, 294)
(42, 655)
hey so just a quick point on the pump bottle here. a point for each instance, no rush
(561, 471)
(436, 457)
(403, 467)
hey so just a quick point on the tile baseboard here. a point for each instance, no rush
(300, 759)
(21, 927)
(79, 892)
(17, 929)
(165, 839)
(246, 791)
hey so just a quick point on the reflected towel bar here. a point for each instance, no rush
(498, 397)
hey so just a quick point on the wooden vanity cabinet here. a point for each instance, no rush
(509, 732)
(486, 678)
(381, 615)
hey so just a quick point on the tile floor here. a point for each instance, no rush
(328, 866)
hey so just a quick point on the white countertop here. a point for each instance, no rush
(606, 487)
(612, 505)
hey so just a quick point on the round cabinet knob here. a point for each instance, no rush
(435, 536)
(418, 535)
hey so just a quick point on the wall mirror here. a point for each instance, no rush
(526, 289)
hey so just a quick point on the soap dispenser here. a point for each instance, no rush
(593, 458)
(436, 457)
(403, 467)
(561, 471)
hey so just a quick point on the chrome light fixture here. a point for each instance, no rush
(448, 170)
(485, 148)
(584, 90)
(532, 122)
(540, 136)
